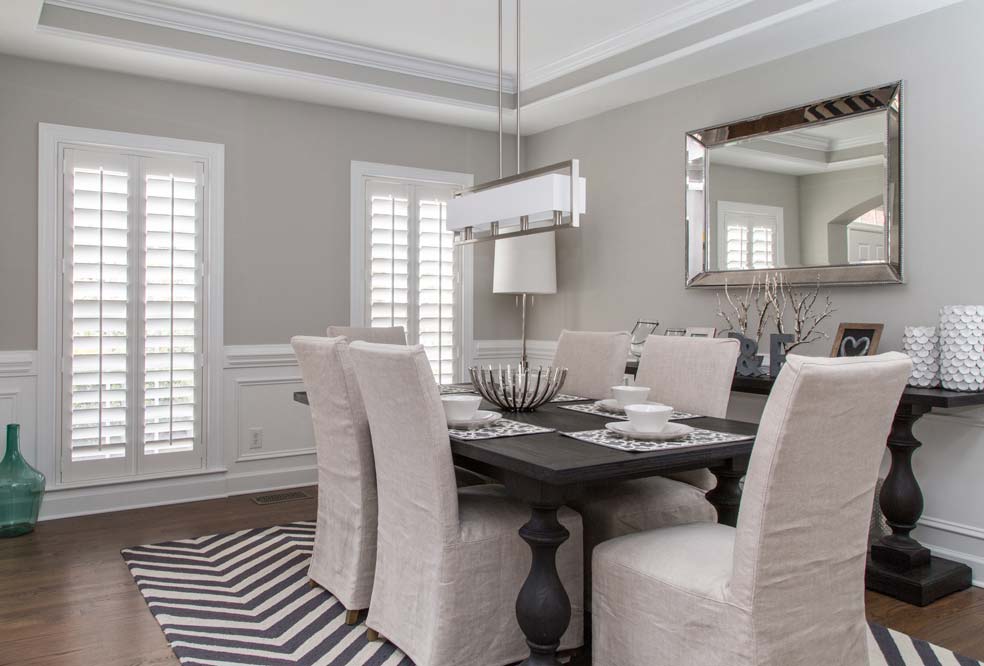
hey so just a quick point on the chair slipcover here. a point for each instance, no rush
(391, 335)
(344, 555)
(786, 588)
(692, 375)
(595, 361)
(449, 562)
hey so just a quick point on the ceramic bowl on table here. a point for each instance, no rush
(630, 395)
(460, 407)
(649, 417)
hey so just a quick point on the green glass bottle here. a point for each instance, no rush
(21, 488)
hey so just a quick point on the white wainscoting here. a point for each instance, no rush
(949, 466)
(258, 382)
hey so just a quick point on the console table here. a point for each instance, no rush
(898, 565)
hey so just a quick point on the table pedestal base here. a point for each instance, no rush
(921, 585)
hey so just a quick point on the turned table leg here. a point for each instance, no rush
(726, 495)
(900, 566)
(543, 607)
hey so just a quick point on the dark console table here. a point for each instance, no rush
(898, 565)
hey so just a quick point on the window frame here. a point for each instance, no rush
(358, 279)
(53, 140)
(725, 207)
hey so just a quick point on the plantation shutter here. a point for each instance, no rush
(132, 319)
(412, 278)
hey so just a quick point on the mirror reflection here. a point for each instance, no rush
(810, 196)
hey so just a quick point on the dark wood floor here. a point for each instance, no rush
(67, 599)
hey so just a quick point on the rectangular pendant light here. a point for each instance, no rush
(519, 202)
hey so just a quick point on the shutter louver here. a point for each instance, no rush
(763, 251)
(99, 313)
(737, 247)
(389, 251)
(170, 314)
(435, 288)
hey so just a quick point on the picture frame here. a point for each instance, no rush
(700, 332)
(675, 331)
(856, 340)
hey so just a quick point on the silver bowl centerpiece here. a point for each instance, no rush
(518, 388)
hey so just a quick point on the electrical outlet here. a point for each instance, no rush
(256, 438)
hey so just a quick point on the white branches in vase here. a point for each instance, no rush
(801, 304)
(749, 310)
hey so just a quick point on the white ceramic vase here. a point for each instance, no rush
(961, 333)
(923, 346)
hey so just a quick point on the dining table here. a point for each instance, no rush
(550, 469)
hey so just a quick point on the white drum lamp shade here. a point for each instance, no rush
(525, 265)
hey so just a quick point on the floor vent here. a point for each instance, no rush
(277, 498)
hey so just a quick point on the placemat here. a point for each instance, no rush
(592, 408)
(501, 428)
(698, 437)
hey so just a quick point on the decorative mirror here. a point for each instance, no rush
(814, 192)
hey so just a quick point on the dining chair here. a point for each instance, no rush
(344, 555)
(388, 335)
(693, 375)
(786, 587)
(395, 335)
(449, 562)
(595, 361)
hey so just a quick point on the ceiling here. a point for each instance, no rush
(437, 59)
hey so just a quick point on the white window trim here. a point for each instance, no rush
(51, 141)
(357, 256)
(725, 207)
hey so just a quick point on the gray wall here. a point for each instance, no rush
(824, 197)
(286, 191)
(763, 188)
(627, 261)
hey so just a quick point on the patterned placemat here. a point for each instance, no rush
(564, 397)
(697, 437)
(451, 389)
(501, 428)
(592, 408)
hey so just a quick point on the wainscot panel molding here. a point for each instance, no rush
(18, 363)
(18, 398)
(259, 356)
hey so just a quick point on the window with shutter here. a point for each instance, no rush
(413, 278)
(132, 314)
(752, 236)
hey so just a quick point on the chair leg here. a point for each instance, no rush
(311, 582)
(372, 635)
(351, 617)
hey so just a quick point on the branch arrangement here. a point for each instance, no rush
(752, 307)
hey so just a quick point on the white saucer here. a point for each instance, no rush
(481, 419)
(671, 431)
(611, 405)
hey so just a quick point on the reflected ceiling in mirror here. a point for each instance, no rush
(813, 191)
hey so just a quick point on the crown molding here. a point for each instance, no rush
(800, 140)
(224, 27)
(857, 141)
(662, 24)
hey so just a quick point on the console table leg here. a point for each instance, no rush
(900, 566)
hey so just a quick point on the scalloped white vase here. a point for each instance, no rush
(961, 332)
(923, 346)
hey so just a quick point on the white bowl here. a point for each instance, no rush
(630, 395)
(649, 417)
(460, 407)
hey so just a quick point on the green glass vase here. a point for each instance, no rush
(21, 488)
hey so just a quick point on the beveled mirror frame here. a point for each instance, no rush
(886, 97)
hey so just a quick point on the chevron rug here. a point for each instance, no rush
(243, 599)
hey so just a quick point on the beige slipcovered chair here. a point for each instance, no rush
(786, 588)
(344, 555)
(595, 361)
(693, 375)
(390, 335)
(449, 562)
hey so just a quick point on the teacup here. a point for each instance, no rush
(460, 407)
(630, 395)
(649, 417)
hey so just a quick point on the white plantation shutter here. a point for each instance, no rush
(413, 279)
(763, 247)
(132, 321)
(751, 236)
(737, 247)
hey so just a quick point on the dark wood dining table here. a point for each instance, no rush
(548, 470)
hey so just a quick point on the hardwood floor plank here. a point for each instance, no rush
(67, 598)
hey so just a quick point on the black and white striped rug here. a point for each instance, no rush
(243, 598)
